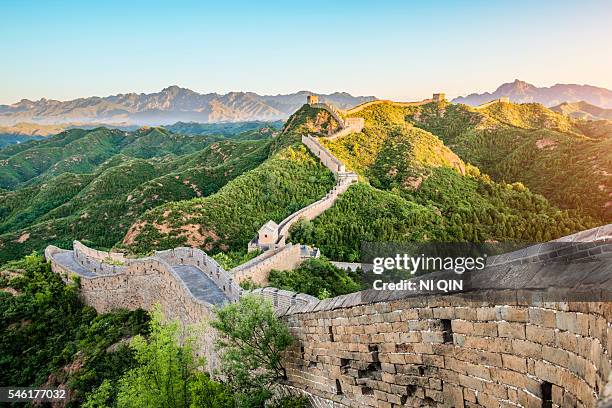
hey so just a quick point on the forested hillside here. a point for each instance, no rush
(289, 180)
(424, 169)
(92, 190)
(567, 161)
(416, 188)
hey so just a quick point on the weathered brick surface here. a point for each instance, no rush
(396, 353)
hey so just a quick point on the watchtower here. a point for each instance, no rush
(267, 235)
(439, 97)
(312, 99)
(504, 99)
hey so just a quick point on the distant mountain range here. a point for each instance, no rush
(522, 92)
(170, 105)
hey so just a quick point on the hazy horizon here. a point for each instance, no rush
(296, 91)
(402, 51)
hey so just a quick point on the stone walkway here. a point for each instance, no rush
(200, 286)
(66, 259)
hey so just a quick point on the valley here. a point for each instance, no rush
(424, 170)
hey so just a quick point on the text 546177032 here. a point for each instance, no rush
(25, 394)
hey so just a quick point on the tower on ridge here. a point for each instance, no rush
(439, 97)
(312, 99)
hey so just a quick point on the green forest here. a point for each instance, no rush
(437, 172)
(97, 203)
(122, 359)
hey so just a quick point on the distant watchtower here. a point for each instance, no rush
(312, 99)
(439, 97)
(504, 99)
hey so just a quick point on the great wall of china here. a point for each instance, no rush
(520, 340)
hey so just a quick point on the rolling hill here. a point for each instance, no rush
(567, 161)
(414, 188)
(93, 184)
(435, 172)
(583, 110)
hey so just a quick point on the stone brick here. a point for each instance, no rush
(511, 313)
(547, 372)
(469, 395)
(542, 317)
(486, 314)
(453, 395)
(462, 326)
(433, 360)
(432, 337)
(487, 400)
(471, 382)
(511, 330)
(435, 384)
(418, 325)
(567, 321)
(488, 329)
(565, 340)
(479, 371)
(444, 313)
(514, 363)
(527, 348)
(538, 334)
(555, 355)
(465, 313)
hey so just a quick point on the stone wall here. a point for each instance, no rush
(196, 257)
(514, 345)
(453, 351)
(317, 208)
(98, 261)
(143, 283)
(533, 330)
(284, 299)
(257, 269)
(352, 125)
(335, 113)
(326, 157)
(95, 254)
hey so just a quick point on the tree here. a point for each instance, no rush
(166, 366)
(316, 277)
(251, 340)
(207, 393)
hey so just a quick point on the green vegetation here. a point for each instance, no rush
(251, 342)
(419, 190)
(48, 337)
(307, 120)
(99, 207)
(252, 130)
(121, 359)
(229, 219)
(316, 277)
(567, 161)
(82, 151)
(164, 374)
(7, 139)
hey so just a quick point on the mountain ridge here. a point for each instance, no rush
(583, 110)
(522, 92)
(172, 104)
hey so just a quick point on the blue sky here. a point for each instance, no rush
(402, 50)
